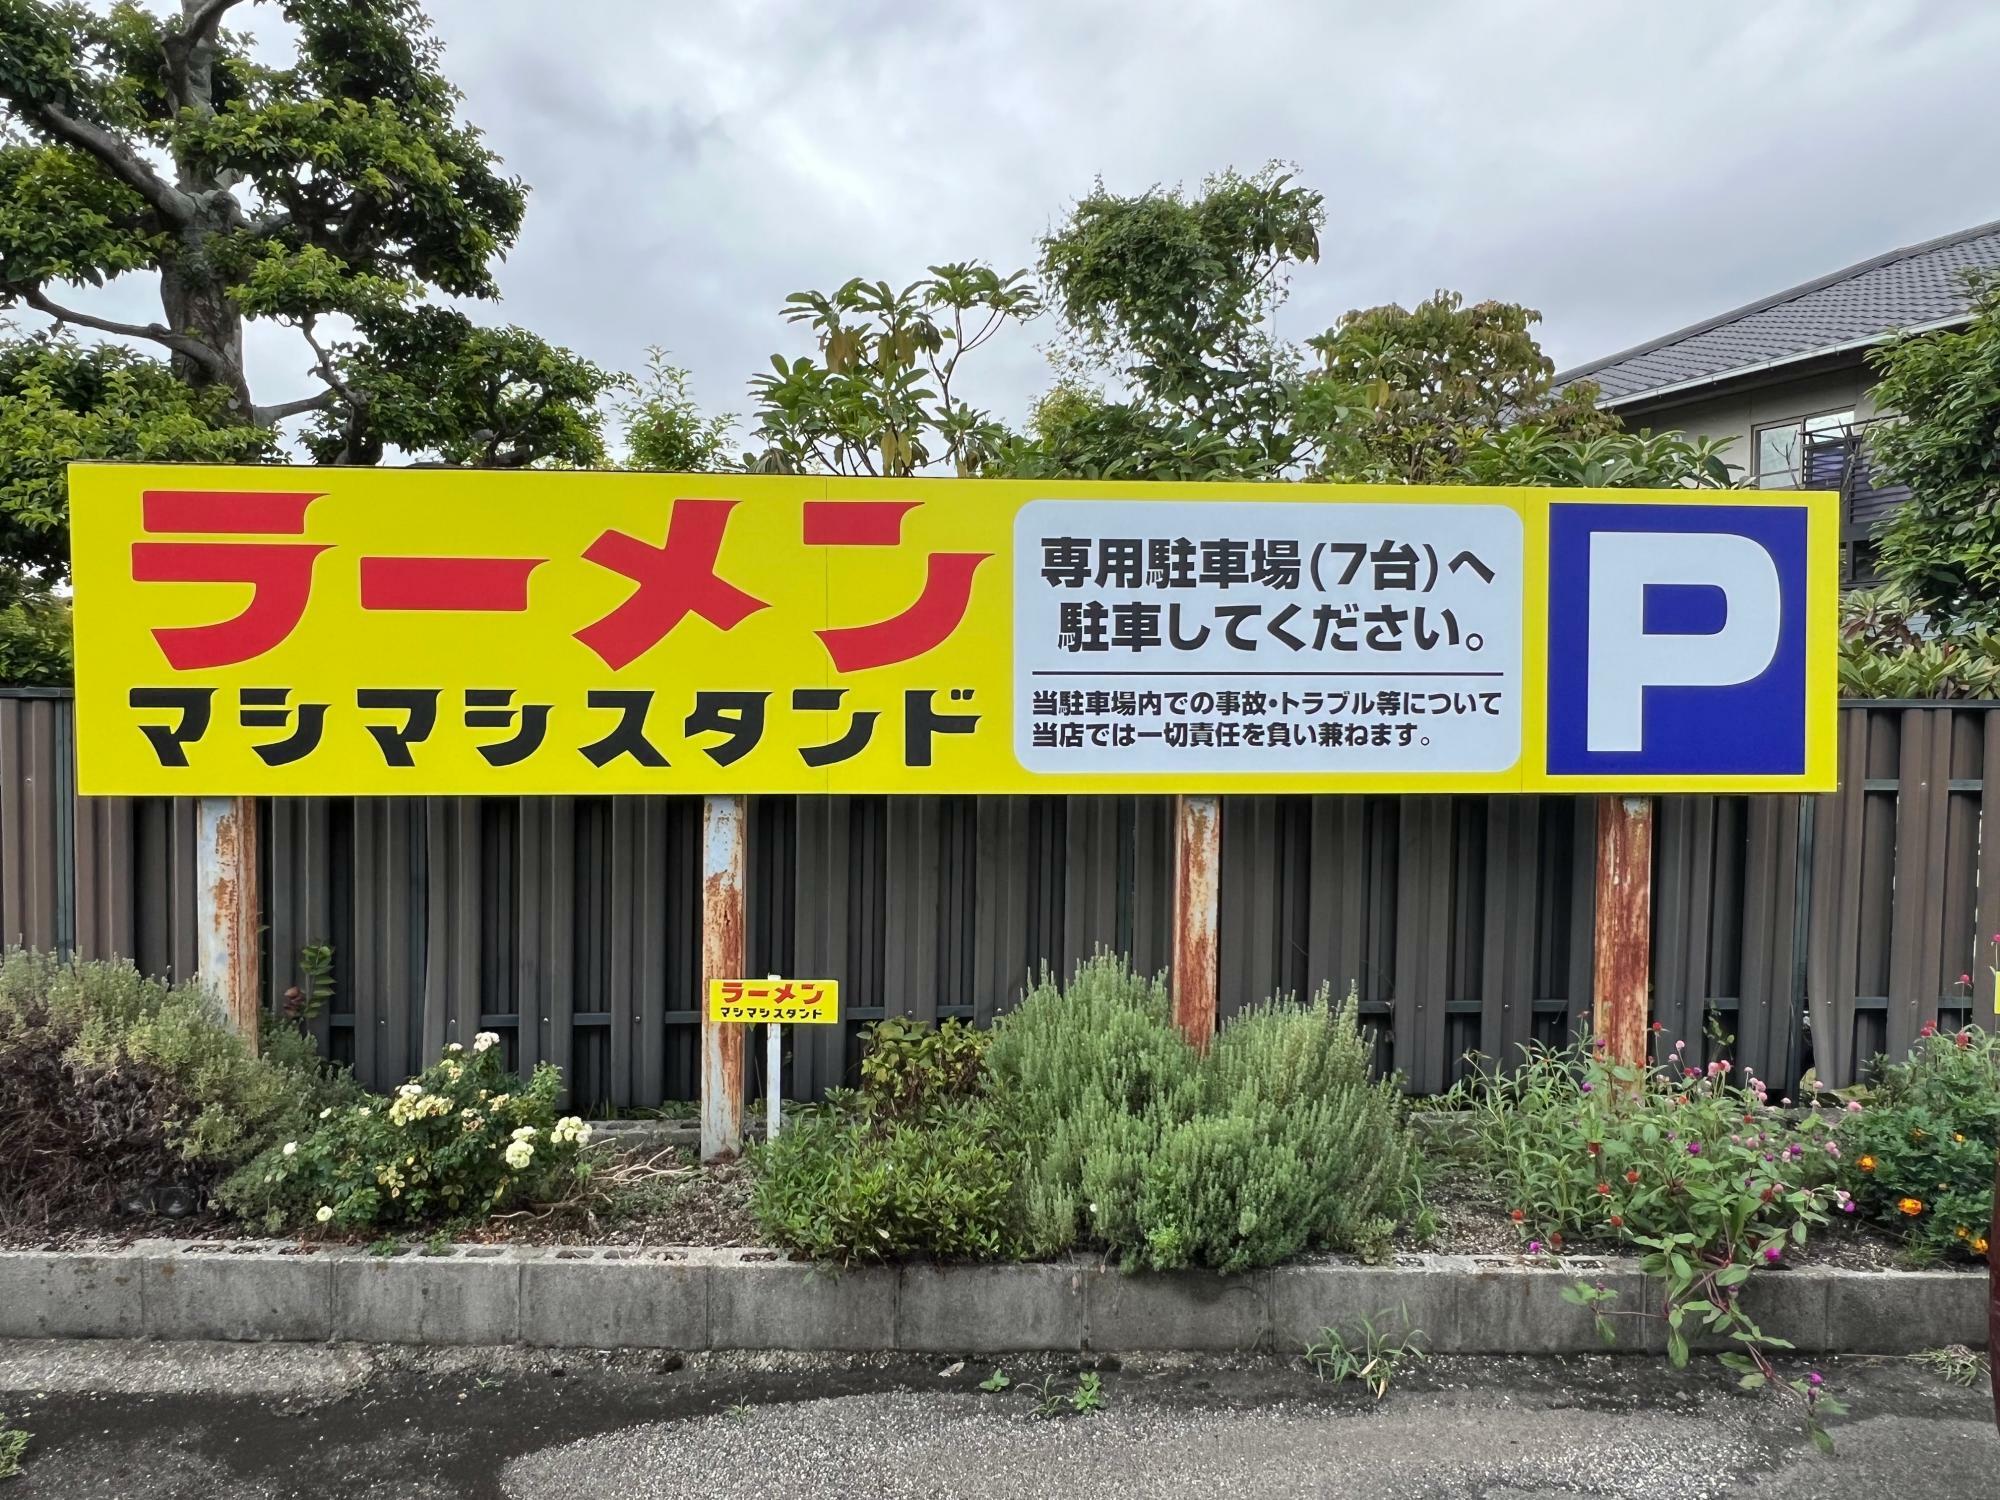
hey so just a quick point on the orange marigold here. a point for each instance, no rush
(1979, 1246)
(1910, 1206)
(1867, 1164)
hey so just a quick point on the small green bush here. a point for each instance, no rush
(841, 1183)
(1277, 1141)
(111, 1082)
(916, 1162)
(460, 1141)
(907, 1066)
(1918, 1157)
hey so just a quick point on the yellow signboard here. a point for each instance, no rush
(300, 631)
(774, 1002)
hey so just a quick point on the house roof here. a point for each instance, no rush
(1918, 286)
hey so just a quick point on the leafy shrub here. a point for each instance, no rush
(113, 1084)
(1274, 1142)
(1919, 1157)
(1582, 1147)
(917, 1161)
(907, 1066)
(462, 1140)
(1891, 648)
(843, 1183)
(35, 648)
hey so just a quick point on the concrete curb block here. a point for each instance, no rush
(700, 1299)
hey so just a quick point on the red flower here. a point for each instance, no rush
(1594, 1147)
(1555, 1241)
(1964, 1039)
(1604, 1190)
(1517, 1216)
(1633, 1175)
(1767, 1195)
(1617, 1221)
(1657, 1026)
(1929, 1028)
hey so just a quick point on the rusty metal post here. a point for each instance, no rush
(724, 828)
(226, 907)
(1624, 926)
(1197, 883)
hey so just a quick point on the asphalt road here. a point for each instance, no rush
(150, 1421)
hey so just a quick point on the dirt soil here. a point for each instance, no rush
(1473, 1220)
(666, 1197)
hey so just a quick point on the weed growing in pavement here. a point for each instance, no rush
(1084, 1399)
(13, 1443)
(1953, 1362)
(1372, 1360)
(996, 1382)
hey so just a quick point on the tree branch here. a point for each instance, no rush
(270, 416)
(205, 16)
(158, 333)
(125, 163)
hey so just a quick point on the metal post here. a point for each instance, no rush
(772, 1055)
(1197, 870)
(723, 827)
(226, 914)
(1624, 926)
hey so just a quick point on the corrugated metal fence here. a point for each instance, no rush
(570, 925)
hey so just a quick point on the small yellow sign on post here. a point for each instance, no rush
(787, 1002)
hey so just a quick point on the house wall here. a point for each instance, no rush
(1734, 412)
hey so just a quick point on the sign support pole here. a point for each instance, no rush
(1197, 882)
(723, 921)
(226, 908)
(774, 1062)
(1624, 926)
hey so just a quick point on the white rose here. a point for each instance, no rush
(484, 1040)
(324, 1213)
(525, 1133)
(454, 1047)
(519, 1154)
(291, 1148)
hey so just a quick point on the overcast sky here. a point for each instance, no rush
(1626, 169)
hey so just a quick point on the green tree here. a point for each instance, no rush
(1170, 295)
(1941, 549)
(665, 428)
(879, 400)
(1404, 396)
(339, 188)
(62, 401)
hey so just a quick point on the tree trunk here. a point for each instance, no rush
(197, 303)
(194, 298)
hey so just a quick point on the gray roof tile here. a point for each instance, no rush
(1906, 288)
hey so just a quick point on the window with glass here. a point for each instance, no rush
(1779, 451)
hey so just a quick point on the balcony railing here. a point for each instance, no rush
(1838, 459)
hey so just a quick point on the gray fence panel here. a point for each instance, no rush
(1823, 929)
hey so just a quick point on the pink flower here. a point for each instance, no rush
(1772, 1254)
(1854, 1106)
(1965, 979)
